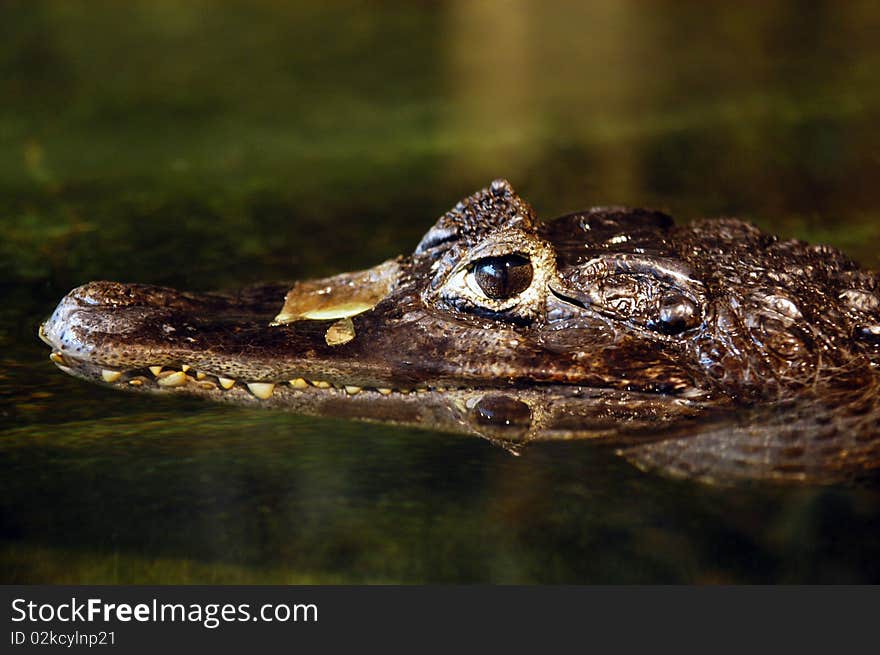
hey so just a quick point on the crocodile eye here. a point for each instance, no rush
(677, 314)
(502, 277)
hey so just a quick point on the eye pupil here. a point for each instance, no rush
(677, 314)
(503, 277)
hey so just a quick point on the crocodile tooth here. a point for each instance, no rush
(299, 383)
(352, 390)
(110, 376)
(200, 375)
(226, 383)
(384, 391)
(321, 384)
(176, 379)
(57, 358)
(155, 370)
(261, 390)
(185, 367)
(136, 382)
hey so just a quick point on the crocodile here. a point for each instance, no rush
(710, 350)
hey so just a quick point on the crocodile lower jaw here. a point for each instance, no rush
(186, 378)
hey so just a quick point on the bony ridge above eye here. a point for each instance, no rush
(503, 276)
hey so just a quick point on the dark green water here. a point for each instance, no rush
(223, 143)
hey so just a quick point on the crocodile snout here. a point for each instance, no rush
(90, 314)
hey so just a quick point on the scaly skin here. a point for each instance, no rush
(710, 350)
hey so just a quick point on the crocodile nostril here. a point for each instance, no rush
(101, 293)
(117, 294)
(860, 299)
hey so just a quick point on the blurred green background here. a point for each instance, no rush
(214, 144)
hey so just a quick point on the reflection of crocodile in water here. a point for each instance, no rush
(710, 350)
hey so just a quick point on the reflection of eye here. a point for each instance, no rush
(502, 277)
(677, 314)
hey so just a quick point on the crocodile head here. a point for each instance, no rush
(611, 323)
